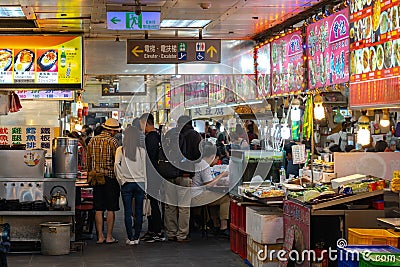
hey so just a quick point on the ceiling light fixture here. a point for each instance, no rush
(205, 5)
(168, 23)
(11, 12)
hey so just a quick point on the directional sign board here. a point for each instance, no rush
(130, 21)
(173, 51)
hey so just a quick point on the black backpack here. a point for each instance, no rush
(171, 154)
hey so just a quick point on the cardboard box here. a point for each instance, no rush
(256, 253)
(265, 225)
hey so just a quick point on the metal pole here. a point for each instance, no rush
(312, 141)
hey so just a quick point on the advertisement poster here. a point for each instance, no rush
(177, 95)
(287, 64)
(263, 71)
(196, 90)
(374, 52)
(245, 87)
(167, 88)
(328, 50)
(217, 89)
(32, 136)
(41, 62)
(160, 97)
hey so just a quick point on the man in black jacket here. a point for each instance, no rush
(152, 142)
(178, 197)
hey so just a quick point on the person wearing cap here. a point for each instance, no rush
(101, 158)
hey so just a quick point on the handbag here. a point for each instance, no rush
(146, 206)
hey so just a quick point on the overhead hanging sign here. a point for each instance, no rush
(374, 53)
(131, 21)
(41, 62)
(287, 64)
(328, 50)
(173, 51)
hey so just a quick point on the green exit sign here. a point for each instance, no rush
(130, 21)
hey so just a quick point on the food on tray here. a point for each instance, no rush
(379, 57)
(47, 60)
(310, 194)
(372, 56)
(376, 15)
(5, 59)
(388, 54)
(385, 23)
(24, 60)
(368, 27)
(266, 193)
(365, 59)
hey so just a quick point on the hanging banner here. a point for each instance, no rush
(287, 64)
(263, 55)
(41, 62)
(374, 53)
(328, 50)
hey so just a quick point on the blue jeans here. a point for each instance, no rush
(130, 191)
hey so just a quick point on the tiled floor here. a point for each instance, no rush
(199, 252)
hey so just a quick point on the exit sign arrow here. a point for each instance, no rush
(211, 50)
(115, 20)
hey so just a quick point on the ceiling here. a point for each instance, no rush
(230, 19)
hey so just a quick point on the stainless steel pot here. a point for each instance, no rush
(65, 157)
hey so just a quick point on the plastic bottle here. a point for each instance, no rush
(63, 58)
(282, 175)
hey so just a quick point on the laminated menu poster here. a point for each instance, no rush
(374, 52)
(32, 136)
(328, 50)
(245, 87)
(287, 64)
(263, 71)
(41, 62)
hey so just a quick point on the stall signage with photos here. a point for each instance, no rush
(196, 90)
(41, 62)
(263, 55)
(32, 136)
(177, 95)
(47, 94)
(328, 50)
(375, 53)
(287, 64)
(245, 87)
(160, 97)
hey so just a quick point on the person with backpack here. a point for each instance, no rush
(180, 152)
(152, 141)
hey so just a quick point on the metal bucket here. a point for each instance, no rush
(55, 238)
(65, 157)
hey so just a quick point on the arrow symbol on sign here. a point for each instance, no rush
(136, 51)
(115, 20)
(211, 50)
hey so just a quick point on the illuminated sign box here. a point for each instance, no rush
(146, 21)
(41, 62)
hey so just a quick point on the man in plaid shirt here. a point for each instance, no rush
(100, 158)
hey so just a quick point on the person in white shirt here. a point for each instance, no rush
(130, 171)
(203, 179)
(340, 138)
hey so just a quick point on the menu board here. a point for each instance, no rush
(263, 55)
(47, 94)
(328, 50)
(245, 87)
(32, 136)
(375, 52)
(196, 90)
(287, 64)
(41, 62)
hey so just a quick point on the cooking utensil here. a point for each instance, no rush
(59, 199)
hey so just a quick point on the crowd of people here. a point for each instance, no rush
(147, 173)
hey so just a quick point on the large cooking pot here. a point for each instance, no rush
(65, 157)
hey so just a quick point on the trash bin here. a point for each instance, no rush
(55, 238)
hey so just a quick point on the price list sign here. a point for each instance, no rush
(374, 53)
(328, 50)
(287, 64)
(263, 71)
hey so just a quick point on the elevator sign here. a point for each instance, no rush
(130, 21)
(173, 51)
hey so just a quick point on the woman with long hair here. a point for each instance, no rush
(130, 170)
